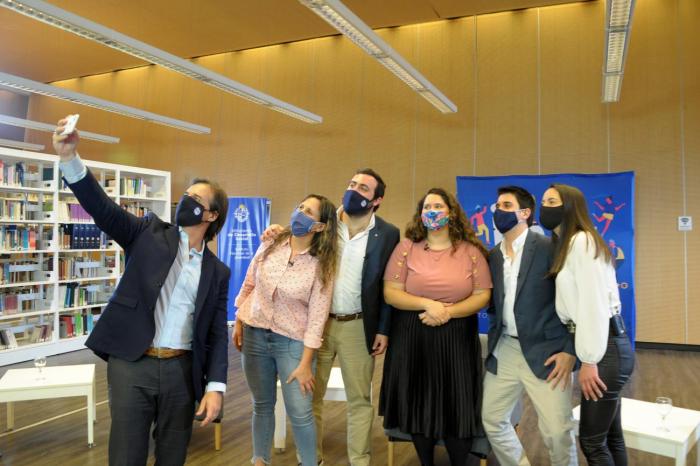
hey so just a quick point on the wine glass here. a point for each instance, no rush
(664, 405)
(39, 363)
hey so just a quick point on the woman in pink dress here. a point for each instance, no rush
(437, 280)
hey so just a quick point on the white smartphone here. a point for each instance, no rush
(72, 120)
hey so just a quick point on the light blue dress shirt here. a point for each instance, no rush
(174, 312)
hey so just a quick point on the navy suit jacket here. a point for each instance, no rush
(127, 325)
(540, 331)
(376, 313)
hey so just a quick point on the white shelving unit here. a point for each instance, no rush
(43, 194)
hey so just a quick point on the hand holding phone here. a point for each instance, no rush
(72, 120)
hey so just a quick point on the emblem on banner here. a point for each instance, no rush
(241, 213)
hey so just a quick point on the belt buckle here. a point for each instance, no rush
(159, 353)
(571, 326)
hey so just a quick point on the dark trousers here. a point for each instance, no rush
(458, 449)
(145, 392)
(600, 431)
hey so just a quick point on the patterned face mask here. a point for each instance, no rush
(435, 219)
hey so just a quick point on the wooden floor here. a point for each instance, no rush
(63, 441)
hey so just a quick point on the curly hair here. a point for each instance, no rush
(324, 245)
(460, 229)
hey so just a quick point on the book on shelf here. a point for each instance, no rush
(134, 187)
(111, 186)
(24, 270)
(88, 236)
(40, 333)
(25, 206)
(28, 334)
(136, 209)
(9, 303)
(23, 300)
(7, 339)
(12, 174)
(24, 238)
(77, 324)
(84, 267)
(72, 212)
(26, 174)
(75, 294)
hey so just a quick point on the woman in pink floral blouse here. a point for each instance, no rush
(282, 310)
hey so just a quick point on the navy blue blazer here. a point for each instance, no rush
(540, 331)
(376, 313)
(127, 325)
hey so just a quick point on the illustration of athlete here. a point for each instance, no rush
(477, 220)
(609, 209)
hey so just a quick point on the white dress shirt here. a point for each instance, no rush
(511, 269)
(587, 294)
(347, 292)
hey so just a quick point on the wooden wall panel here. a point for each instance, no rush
(507, 93)
(388, 126)
(689, 12)
(335, 150)
(372, 119)
(573, 120)
(445, 142)
(287, 74)
(645, 138)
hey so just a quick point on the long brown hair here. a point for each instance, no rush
(576, 218)
(460, 229)
(324, 244)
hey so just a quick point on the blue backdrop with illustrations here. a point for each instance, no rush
(610, 201)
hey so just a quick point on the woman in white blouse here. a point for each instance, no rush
(588, 301)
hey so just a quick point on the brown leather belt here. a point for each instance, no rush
(345, 317)
(164, 353)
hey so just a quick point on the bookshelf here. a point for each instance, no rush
(57, 269)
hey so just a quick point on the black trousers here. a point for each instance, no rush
(600, 430)
(145, 392)
(458, 449)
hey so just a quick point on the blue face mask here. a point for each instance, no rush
(301, 223)
(505, 221)
(355, 203)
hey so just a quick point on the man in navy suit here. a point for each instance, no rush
(164, 330)
(529, 349)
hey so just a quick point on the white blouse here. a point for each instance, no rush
(587, 294)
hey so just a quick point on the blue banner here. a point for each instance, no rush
(239, 239)
(610, 201)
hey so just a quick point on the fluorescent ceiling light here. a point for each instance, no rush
(21, 145)
(620, 12)
(612, 84)
(83, 27)
(36, 87)
(350, 25)
(615, 51)
(14, 91)
(39, 126)
(618, 20)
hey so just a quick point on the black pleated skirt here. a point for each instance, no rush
(432, 379)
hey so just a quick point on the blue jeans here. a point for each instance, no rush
(266, 355)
